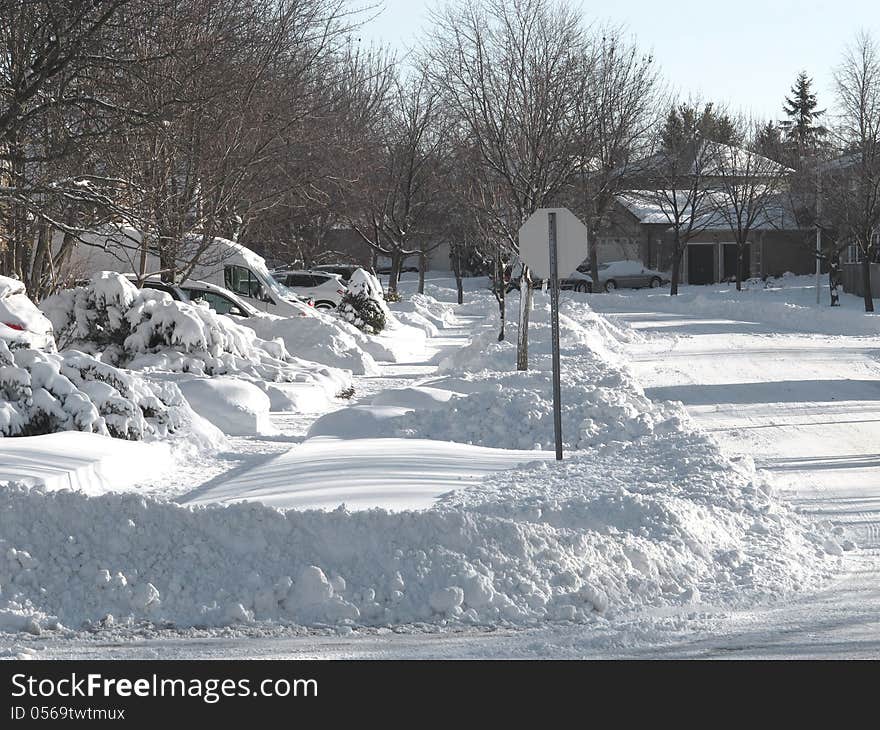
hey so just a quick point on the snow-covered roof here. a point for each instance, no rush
(647, 207)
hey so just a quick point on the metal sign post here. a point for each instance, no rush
(567, 249)
(554, 336)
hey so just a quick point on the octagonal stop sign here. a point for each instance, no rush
(534, 242)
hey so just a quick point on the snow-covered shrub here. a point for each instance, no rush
(363, 304)
(363, 312)
(44, 393)
(145, 329)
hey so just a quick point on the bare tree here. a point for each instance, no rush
(54, 105)
(615, 114)
(509, 72)
(393, 204)
(856, 177)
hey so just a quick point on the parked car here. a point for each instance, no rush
(626, 275)
(174, 291)
(21, 323)
(344, 271)
(324, 288)
(576, 281)
(219, 299)
(386, 270)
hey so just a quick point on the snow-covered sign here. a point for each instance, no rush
(571, 242)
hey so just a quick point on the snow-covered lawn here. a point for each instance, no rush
(657, 533)
(84, 462)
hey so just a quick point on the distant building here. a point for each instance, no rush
(637, 229)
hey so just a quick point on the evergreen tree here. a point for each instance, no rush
(802, 128)
(691, 122)
(769, 142)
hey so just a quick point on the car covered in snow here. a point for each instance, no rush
(324, 288)
(172, 290)
(21, 323)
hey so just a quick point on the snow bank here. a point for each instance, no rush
(87, 462)
(786, 304)
(236, 407)
(499, 407)
(321, 338)
(425, 312)
(654, 517)
(362, 474)
(592, 536)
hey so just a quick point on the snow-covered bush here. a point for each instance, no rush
(44, 393)
(363, 304)
(145, 329)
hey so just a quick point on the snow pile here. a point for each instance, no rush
(662, 518)
(425, 313)
(235, 406)
(42, 393)
(617, 528)
(322, 338)
(147, 330)
(499, 407)
(87, 462)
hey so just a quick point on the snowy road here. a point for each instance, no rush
(806, 408)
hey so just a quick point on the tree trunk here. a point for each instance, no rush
(834, 279)
(525, 300)
(677, 255)
(394, 276)
(500, 288)
(866, 282)
(35, 283)
(423, 265)
(740, 248)
(456, 269)
(594, 258)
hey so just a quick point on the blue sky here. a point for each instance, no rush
(746, 57)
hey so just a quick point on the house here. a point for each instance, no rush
(638, 229)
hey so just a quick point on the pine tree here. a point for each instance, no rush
(802, 129)
(769, 142)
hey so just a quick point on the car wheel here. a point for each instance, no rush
(656, 283)
(582, 287)
(325, 305)
(610, 285)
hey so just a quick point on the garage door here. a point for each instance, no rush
(730, 253)
(701, 265)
